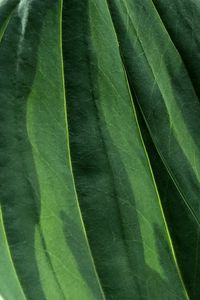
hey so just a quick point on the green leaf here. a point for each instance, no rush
(9, 285)
(43, 224)
(118, 197)
(167, 99)
(93, 95)
(9, 273)
(181, 19)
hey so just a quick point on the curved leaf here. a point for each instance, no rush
(44, 244)
(170, 106)
(181, 19)
(39, 204)
(9, 285)
(123, 216)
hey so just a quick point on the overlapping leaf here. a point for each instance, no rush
(41, 214)
(90, 224)
(168, 100)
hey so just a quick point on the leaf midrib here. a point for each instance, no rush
(154, 182)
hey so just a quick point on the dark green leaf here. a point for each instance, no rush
(40, 209)
(166, 96)
(118, 197)
(81, 217)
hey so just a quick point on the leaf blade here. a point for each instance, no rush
(38, 197)
(105, 168)
(170, 107)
